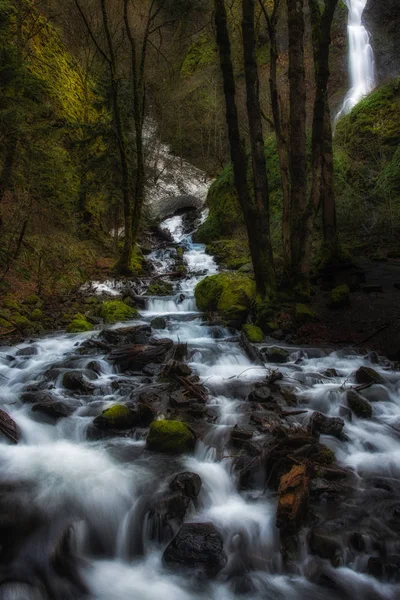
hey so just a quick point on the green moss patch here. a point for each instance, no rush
(172, 437)
(79, 324)
(118, 416)
(253, 333)
(340, 296)
(231, 254)
(229, 294)
(304, 314)
(160, 288)
(114, 311)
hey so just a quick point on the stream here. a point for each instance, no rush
(75, 515)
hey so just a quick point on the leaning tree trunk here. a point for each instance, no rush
(254, 216)
(261, 192)
(298, 149)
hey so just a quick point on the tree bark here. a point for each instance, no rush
(254, 216)
(260, 178)
(281, 138)
(322, 191)
(298, 150)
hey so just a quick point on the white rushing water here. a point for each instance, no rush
(104, 488)
(361, 58)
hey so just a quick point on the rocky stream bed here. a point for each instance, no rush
(168, 456)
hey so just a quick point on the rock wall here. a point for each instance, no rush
(382, 20)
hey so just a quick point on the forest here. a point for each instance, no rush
(199, 299)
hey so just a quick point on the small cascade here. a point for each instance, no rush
(361, 58)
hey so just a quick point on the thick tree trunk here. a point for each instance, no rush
(261, 191)
(298, 150)
(8, 165)
(255, 219)
(281, 138)
(322, 191)
(123, 266)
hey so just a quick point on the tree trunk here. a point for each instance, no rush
(281, 139)
(298, 150)
(254, 216)
(261, 191)
(322, 191)
(124, 265)
(7, 170)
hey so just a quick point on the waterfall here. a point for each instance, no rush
(361, 58)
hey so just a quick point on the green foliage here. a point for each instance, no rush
(114, 311)
(230, 294)
(160, 288)
(172, 437)
(253, 333)
(304, 314)
(231, 254)
(79, 324)
(200, 54)
(340, 296)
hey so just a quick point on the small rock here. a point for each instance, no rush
(176, 368)
(187, 483)
(320, 423)
(239, 436)
(366, 375)
(159, 323)
(171, 437)
(178, 400)
(324, 543)
(76, 381)
(331, 373)
(56, 410)
(196, 546)
(260, 394)
(152, 370)
(29, 351)
(118, 417)
(360, 407)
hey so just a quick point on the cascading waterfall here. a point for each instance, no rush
(361, 58)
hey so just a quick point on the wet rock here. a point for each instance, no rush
(293, 499)
(139, 334)
(261, 394)
(55, 410)
(78, 382)
(366, 375)
(8, 427)
(179, 400)
(331, 373)
(239, 436)
(34, 397)
(278, 335)
(115, 417)
(387, 567)
(137, 356)
(324, 543)
(188, 483)
(175, 368)
(95, 366)
(166, 513)
(320, 423)
(360, 407)
(274, 354)
(152, 370)
(197, 410)
(159, 323)
(170, 437)
(29, 351)
(197, 546)
(289, 395)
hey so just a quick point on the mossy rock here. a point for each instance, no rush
(113, 311)
(79, 324)
(118, 416)
(171, 437)
(231, 254)
(323, 455)
(230, 294)
(271, 327)
(32, 300)
(274, 354)
(253, 333)
(36, 315)
(360, 407)
(160, 288)
(340, 296)
(304, 314)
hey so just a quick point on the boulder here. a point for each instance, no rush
(360, 407)
(28, 351)
(261, 394)
(229, 294)
(78, 382)
(197, 546)
(187, 483)
(274, 354)
(159, 323)
(171, 437)
(320, 423)
(367, 375)
(118, 416)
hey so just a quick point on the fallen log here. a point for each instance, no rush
(139, 355)
(196, 390)
(8, 427)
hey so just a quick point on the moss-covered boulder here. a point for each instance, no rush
(79, 324)
(229, 294)
(304, 314)
(359, 405)
(160, 288)
(231, 254)
(171, 437)
(113, 311)
(339, 296)
(118, 416)
(253, 333)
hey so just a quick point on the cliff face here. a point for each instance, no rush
(382, 19)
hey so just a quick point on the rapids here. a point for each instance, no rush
(102, 488)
